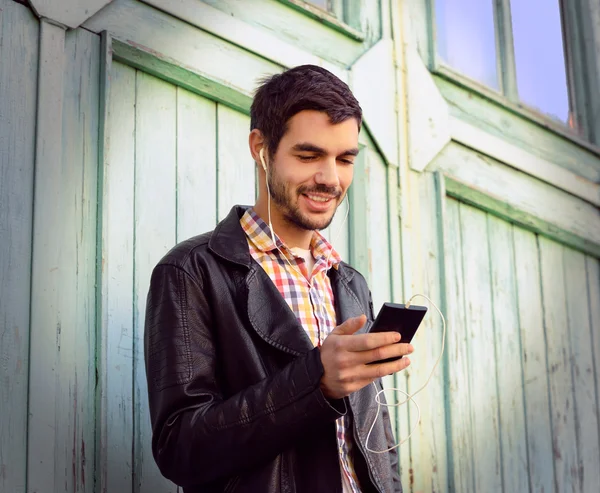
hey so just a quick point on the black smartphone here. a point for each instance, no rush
(398, 318)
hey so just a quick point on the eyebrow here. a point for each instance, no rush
(306, 147)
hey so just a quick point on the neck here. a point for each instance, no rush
(289, 233)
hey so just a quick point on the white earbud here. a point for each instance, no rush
(262, 158)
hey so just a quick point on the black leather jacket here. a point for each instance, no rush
(233, 379)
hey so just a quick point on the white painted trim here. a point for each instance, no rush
(69, 13)
(520, 159)
(374, 85)
(427, 111)
(242, 34)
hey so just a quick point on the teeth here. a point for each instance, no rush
(318, 199)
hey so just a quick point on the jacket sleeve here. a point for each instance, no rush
(198, 436)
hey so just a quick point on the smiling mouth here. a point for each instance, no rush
(318, 198)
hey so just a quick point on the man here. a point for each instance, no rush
(257, 379)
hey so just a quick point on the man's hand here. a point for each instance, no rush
(345, 357)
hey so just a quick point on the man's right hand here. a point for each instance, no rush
(345, 357)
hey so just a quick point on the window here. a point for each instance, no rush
(516, 47)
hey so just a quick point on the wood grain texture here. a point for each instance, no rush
(62, 378)
(533, 355)
(235, 168)
(458, 404)
(503, 123)
(582, 369)
(482, 362)
(295, 28)
(519, 198)
(154, 236)
(19, 31)
(254, 38)
(547, 171)
(593, 280)
(560, 383)
(429, 446)
(182, 44)
(69, 13)
(196, 165)
(507, 340)
(116, 324)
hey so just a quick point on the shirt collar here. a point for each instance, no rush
(259, 234)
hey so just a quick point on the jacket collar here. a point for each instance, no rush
(269, 314)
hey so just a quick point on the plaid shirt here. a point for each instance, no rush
(313, 306)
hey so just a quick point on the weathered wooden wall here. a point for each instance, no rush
(128, 134)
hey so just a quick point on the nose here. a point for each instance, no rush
(327, 174)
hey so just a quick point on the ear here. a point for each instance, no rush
(256, 142)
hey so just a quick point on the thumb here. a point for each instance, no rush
(350, 326)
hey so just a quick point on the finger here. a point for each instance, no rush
(382, 369)
(365, 342)
(350, 326)
(383, 352)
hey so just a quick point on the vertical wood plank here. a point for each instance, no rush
(480, 338)
(18, 85)
(457, 357)
(155, 176)
(45, 321)
(515, 476)
(428, 445)
(582, 367)
(564, 443)
(360, 207)
(593, 280)
(236, 170)
(196, 164)
(116, 447)
(62, 357)
(533, 355)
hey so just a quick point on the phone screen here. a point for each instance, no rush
(397, 318)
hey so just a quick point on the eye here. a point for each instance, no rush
(346, 161)
(306, 158)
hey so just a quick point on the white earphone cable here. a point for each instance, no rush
(409, 397)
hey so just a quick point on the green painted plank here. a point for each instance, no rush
(171, 71)
(359, 213)
(480, 338)
(196, 164)
(593, 280)
(565, 150)
(62, 358)
(154, 235)
(559, 366)
(117, 282)
(235, 166)
(295, 27)
(428, 445)
(459, 399)
(519, 216)
(183, 45)
(533, 357)
(327, 19)
(582, 368)
(18, 85)
(515, 476)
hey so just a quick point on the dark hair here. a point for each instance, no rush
(306, 87)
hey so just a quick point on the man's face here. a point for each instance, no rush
(313, 168)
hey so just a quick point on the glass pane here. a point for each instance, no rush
(466, 38)
(539, 56)
(324, 4)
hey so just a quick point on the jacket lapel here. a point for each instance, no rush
(269, 314)
(347, 304)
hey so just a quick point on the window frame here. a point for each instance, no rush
(580, 67)
(342, 16)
